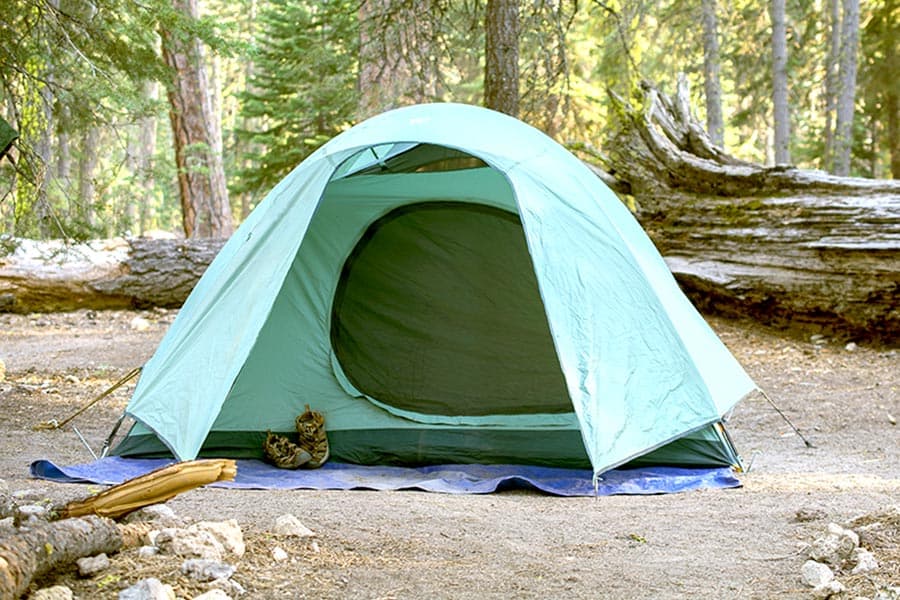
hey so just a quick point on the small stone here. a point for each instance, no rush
(207, 570)
(148, 589)
(57, 592)
(228, 533)
(290, 525)
(864, 560)
(279, 554)
(91, 565)
(72, 379)
(26, 512)
(7, 526)
(314, 546)
(832, 588)
(139, 324)
(815, 574)
(817, 338)
(891, 419)
(158, 514)
(213, 594)
(851, 347)
(229, 586)
(835, 547)
(192, 544)
(26, 496)
(148, 551)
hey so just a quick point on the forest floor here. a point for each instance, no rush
(736, 543)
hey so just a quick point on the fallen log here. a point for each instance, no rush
(50, 276)
(790, 247)
(46, 546)
(86, 527)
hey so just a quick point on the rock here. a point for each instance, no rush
(26, 496)
(835, 547)
(91, 565)
(139, 324)
(189, 543)
(815, 574)
(148, 589)
(228, 533)
(57, 592)
(229, 586)
(214, 594)
(147, 551)
(207, 570)
(832, 588)
(864, 561)
(290, 525)
(158, 514)
(279, 554)
(30, 513)
(851, 347)
(7, 526)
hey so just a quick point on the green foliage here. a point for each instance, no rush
(302, 90)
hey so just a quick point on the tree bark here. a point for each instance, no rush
(46, 546)
(792, 248)
(201, 176)
(843, 142)
(781, 116)
(501, 56)
(136, 273)
(831, 80)
(711, 66)
(87, 164)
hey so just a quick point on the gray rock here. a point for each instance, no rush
(57, 592)
(290, 525)
(7, 526)
(148, 551)
(835, 547)
(279, 554)
(832, 588)
(148, 589)
(815, 574)
(229, 586)
(228, 533)
(91, 565)
(207, 570)
(192, 544)
(158, 514)
(864, 561)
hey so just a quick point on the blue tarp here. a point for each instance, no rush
(449, 479)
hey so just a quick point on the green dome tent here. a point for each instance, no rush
(446, 285)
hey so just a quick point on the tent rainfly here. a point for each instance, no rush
(446, 285)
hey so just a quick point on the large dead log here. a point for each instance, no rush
(790, 247)
(43, 547)
(118, 273)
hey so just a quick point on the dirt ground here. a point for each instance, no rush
(737, 543)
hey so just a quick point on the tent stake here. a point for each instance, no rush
(786, 420)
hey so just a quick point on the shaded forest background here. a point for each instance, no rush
(134, 116)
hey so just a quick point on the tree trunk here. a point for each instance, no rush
(141, 148)
(831, 80)
(789, 247)
(501, 56)
(201, 176)
(87, 164)
(47, 546)
(50, 276)
(397, 54)
(711, 65)
(781, 117)
(892, 106)
(843, 143)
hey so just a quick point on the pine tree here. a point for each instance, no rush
(303, 88)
